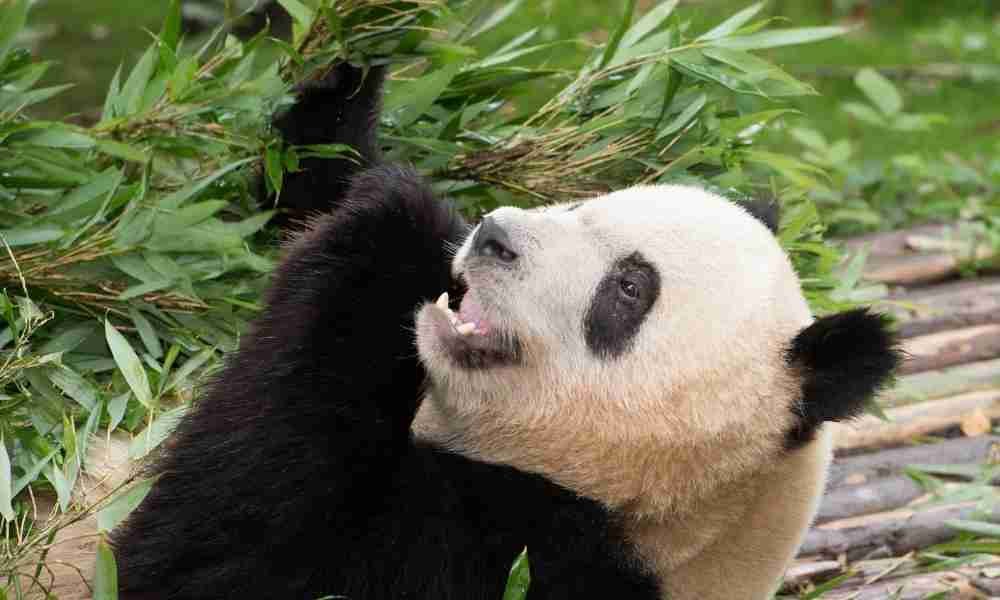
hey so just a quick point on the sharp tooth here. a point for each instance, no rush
(466, 328)
(442, 301)
(453, 317)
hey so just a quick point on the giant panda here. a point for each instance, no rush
(632, 387)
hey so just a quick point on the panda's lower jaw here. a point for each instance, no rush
(463, 344)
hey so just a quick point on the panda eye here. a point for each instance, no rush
(629, 289)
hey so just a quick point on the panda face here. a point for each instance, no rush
(650, 322)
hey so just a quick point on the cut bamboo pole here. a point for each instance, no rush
(946, 306)
(950, 381)
(908, 422)
(896, 532)
(918, 255)
(866, 468)
(884, 494)
(950, 348)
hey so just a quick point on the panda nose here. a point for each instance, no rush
(492, 241)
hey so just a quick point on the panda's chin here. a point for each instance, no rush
(466, 339)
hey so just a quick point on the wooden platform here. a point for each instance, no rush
(877, 518)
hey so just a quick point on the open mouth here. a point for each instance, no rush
(468, 336)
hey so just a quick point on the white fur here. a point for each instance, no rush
(684, 433)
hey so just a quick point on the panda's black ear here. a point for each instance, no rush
(844, 359)
(765, 210)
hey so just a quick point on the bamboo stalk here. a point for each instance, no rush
(908, 422)
(950, 381)
(947, 306)
(950, 348)
(896, 532)
(865, 468)
(884, 494)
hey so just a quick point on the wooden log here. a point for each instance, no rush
(951, 381)
(899, 531)
(908, 422)
(915, 269)
(950, 348)
(919, 255)
(878, 496)
(947, 306)
(863, 469)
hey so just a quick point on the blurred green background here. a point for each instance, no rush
(945, 54)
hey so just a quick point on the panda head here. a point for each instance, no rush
(645, 330)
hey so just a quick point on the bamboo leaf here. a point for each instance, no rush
(12, 19)
(146, 332)
(493, 19)
(880, 91)
(33, 472)
(774, 38)
(298, 11)
(105, 573)
(685, 116)
(170, 34)
(151, 437)
(177, 198)
(612, 46)
(124, 502)
(29, 236)
(519, 578)
(116, 410)
(129, 364)
(130, 100)
(6, 483)
(733, 23)
(649, 22)
(406, 103)
(122, 151)
(275, 172)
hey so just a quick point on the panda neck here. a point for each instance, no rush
(652, 477)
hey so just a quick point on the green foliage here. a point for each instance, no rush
(134, 253)
(866, 193)
(519, 579)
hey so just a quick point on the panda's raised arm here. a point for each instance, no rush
(312, 415)
(339, 108)
(340, 312)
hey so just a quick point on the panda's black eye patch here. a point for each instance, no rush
(619, 306)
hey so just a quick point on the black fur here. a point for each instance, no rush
(613, 319)
(765, 210)
(340, 108)
(297, 475)
(844, 360)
